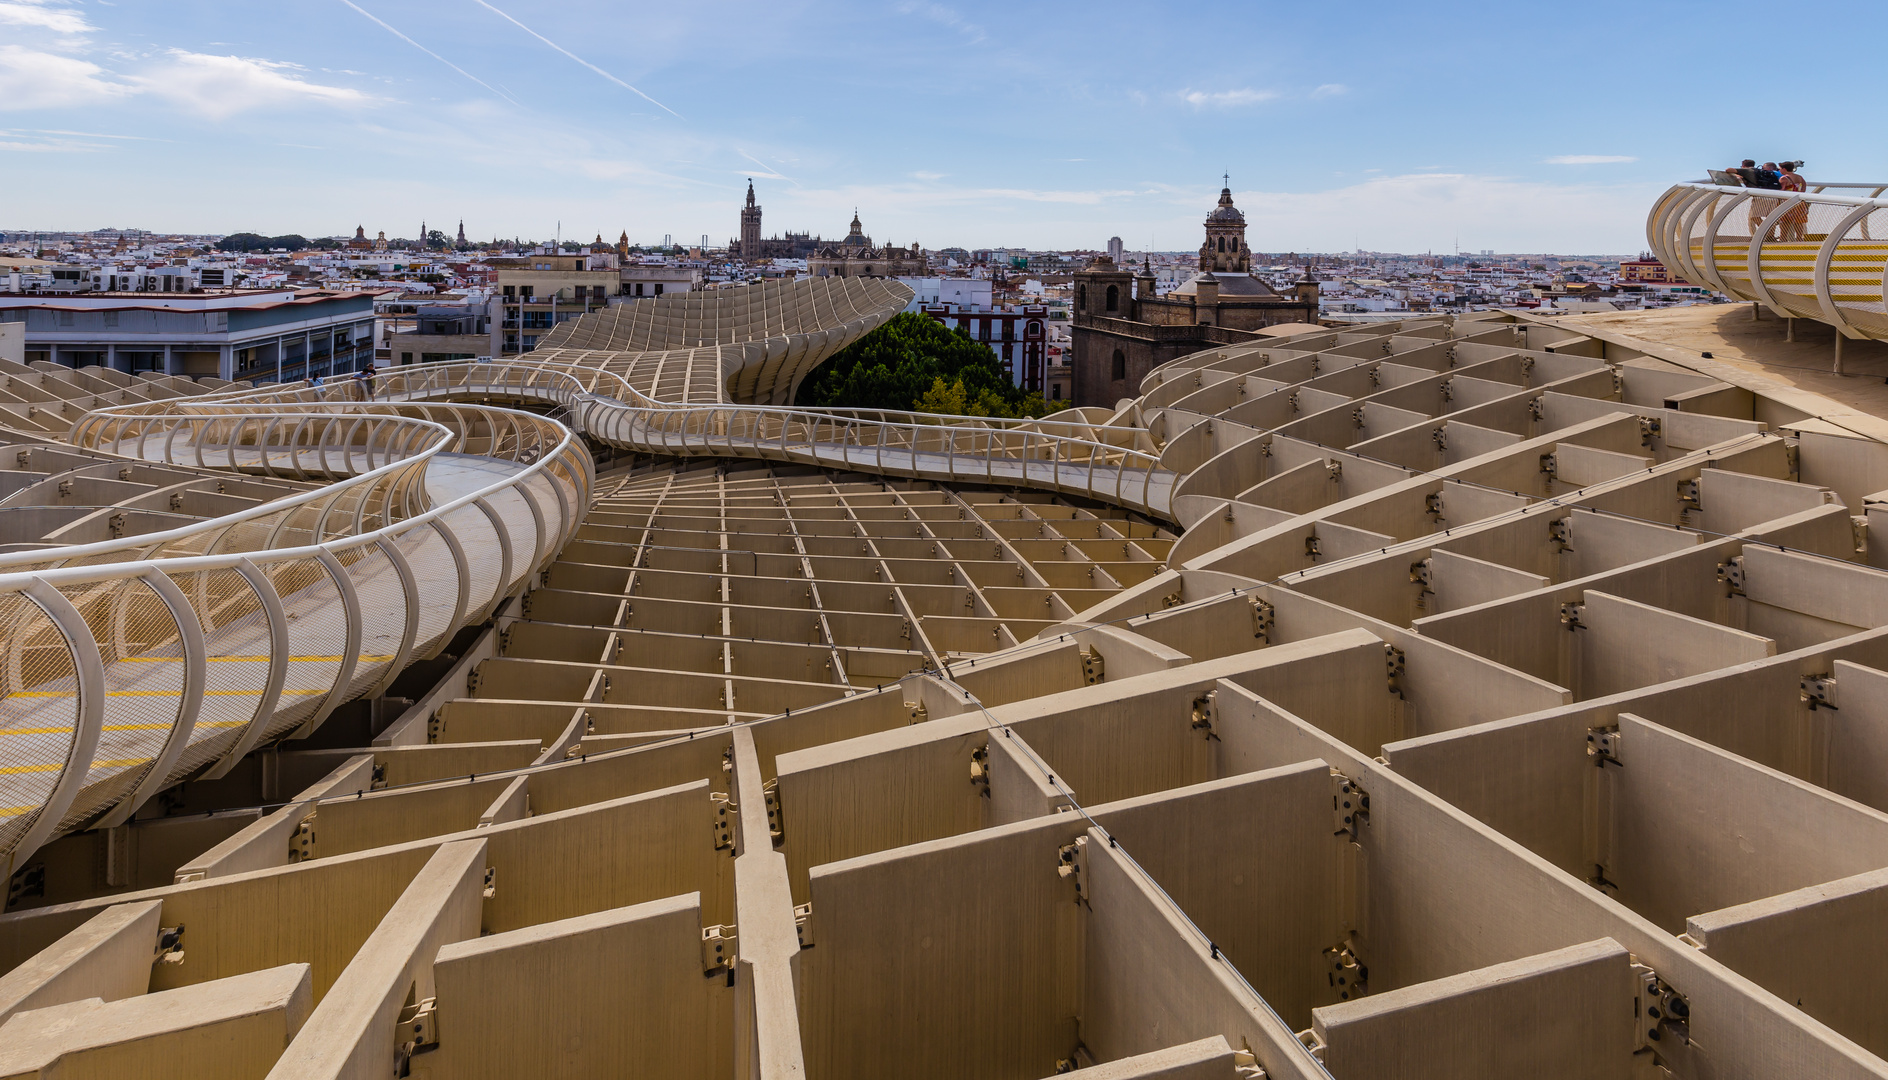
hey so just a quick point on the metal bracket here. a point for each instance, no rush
(1072, 863)
(1395, 664)
(1731, 573)
(1560, 533)
(1094, 668)
(170, 945)
(776, 821)
(1570, 616)
(1334, 470)
(916, 711)
(1245, 1065)
(803, 924)
(1357, 417)
(1263, 619)
(1420, 574)
(1173, 599)
(1432, 502)
(723, 820)
(1651, 429)
(1688, 494)
(1205, 711)
(1602, 745)
(301, 843)
(1550, 465)
(1350, 806)
(1658, 1011)
(980, 769)
(1347, 973)
(1819, 692)
(1311, 547)
(1447, 389)
(1537, 408)
(419, 1033)
(717, 949)
(491, 883)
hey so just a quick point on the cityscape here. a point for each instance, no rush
(515, 561)
(448, 298)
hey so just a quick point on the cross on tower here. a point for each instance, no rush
(1226, 179)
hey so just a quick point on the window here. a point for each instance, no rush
(1114, 298)
(1034, 329)
(639, 288)
(1055, 392)
(658, 288)
(526, 291)
(1222, 243)
(1081, 297)
(510, 290)
(1120, 365)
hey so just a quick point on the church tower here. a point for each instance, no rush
(1225, 249)
(750, 225)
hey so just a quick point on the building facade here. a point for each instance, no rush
(1018, 336)
(1123, 327)
(261, 335)
(856, 257)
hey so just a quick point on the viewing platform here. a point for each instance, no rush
(1819, 254)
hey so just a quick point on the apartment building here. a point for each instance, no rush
(260, 335)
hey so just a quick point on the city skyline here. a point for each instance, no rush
(943, 124)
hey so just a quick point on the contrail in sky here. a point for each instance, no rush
(372, 18)
(573, 56)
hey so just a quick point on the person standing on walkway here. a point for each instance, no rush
(1795, 221)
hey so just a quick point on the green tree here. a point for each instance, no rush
(942, 399)
(916, 363)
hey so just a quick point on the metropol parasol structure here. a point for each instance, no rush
(1465, 695)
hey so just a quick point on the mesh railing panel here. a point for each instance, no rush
(238, 647)
(38, 715)
(144, 680)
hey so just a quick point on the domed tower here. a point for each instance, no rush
(857, 237)
(1225, 248)
(750, 225)
(1144, 285)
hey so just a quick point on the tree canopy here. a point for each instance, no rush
(916, 363)
(248, 241)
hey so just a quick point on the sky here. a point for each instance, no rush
(1385, 126)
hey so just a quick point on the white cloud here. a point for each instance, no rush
(39, 80)
(1590, 159)
(1202, 99)
(59, 20)
(221, 86)
(1330, 90)
(928, 175)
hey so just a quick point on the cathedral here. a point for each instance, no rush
(1122, 329)
(856, 257)
(751, 246)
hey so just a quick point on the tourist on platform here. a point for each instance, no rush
(1795, 223)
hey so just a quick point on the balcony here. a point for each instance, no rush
(1819, 254)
